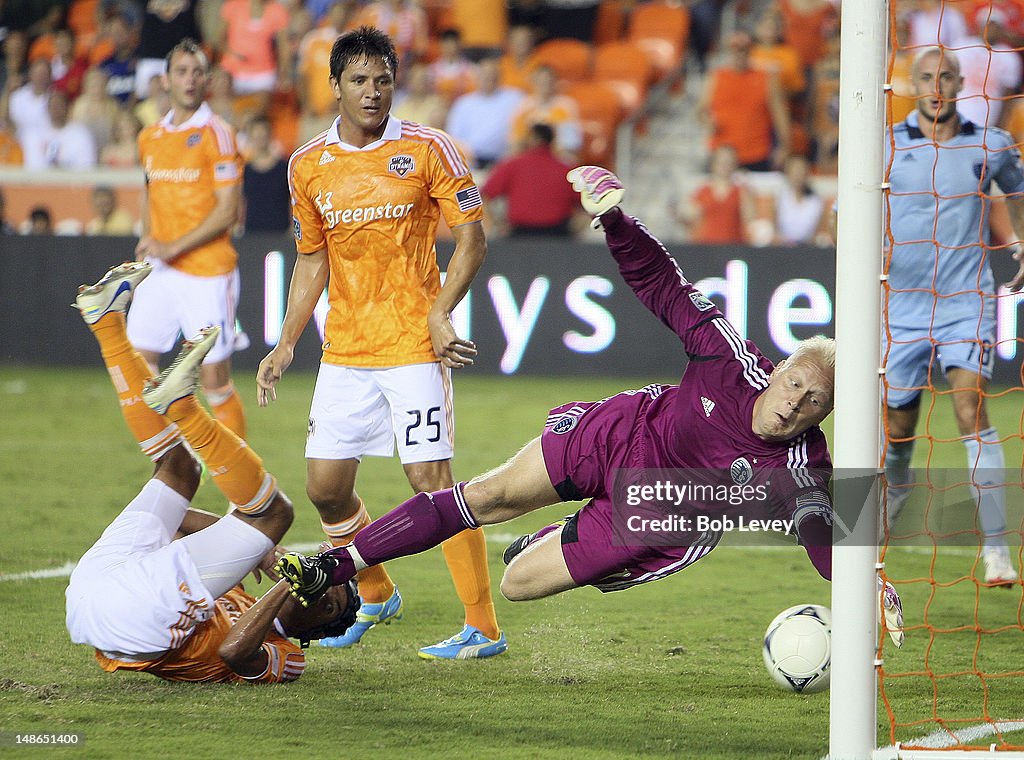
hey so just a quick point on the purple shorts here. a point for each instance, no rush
(584, 443)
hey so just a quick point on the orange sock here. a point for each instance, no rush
(128, 372)
(226, 405)
(235, 468)
(375, 585)
(466, 555)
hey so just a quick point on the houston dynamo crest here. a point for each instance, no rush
(401, 165)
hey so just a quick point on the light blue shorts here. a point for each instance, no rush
(912, 354)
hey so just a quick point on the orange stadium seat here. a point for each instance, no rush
(571, 59)
(626, 66)
(610, 24)
(661, 22)
(82, 17)
(600, 115)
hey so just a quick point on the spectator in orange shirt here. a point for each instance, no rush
(516, 65)
(545, 105)
(806, 24)
(823, 106)
(483, 25)
(401, 20)
(11, 153)
(721, 208)
(773, 55)
(191, 199)
(452, 73)
(252, 33)
(744, 107)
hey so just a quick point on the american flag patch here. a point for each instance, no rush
(469, 198)
(225, 171)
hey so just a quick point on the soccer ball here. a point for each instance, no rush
(798, 648)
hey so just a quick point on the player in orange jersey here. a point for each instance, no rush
(160, 590)
(193, 186)
(366, 198)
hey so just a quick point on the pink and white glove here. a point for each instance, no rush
(600, 190)
(893, 609)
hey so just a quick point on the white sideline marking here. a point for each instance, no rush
(504, 539)
(65, 570)
(54, 572)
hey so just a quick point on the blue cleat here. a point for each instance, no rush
(370, 613)
(464, 645)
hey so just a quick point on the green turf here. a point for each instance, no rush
(671, 669)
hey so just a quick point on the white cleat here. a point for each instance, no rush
(999, 570)
(113, 292)
(182, 378)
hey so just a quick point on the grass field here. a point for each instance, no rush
(671, 669)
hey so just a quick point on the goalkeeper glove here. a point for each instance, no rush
(600, 190)
(893, 609)
(309, 577)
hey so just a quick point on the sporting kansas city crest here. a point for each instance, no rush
(741, 471)
(401, 165)
(564, 425)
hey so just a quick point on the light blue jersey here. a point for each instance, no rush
(938, 216)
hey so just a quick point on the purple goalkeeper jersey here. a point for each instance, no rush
(704, 423)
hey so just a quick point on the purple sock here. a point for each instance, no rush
(421, 523)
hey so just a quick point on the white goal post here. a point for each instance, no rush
(853, 702)
(853, 706)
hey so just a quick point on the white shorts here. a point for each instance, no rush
(362, 412)
(170, 303)
(137, 593)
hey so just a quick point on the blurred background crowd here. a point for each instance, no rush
(737, 100)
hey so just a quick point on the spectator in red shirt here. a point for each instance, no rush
(539, 200)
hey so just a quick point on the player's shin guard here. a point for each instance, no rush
(235, 468)
(985, 462)
(420, 523)
(375, 585)
(466, 555)
(129, 372)
(226, 405)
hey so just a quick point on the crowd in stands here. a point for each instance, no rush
(80, 78)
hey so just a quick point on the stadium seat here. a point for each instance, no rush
(600, 114)
(571, 59)
(662, 22)
(627, 67)
(610, 25)
(81, 19)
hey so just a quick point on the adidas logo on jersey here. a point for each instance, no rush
(709, 405)
(325, 158)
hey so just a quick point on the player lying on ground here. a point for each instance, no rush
(733, 411)
(160, 590)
